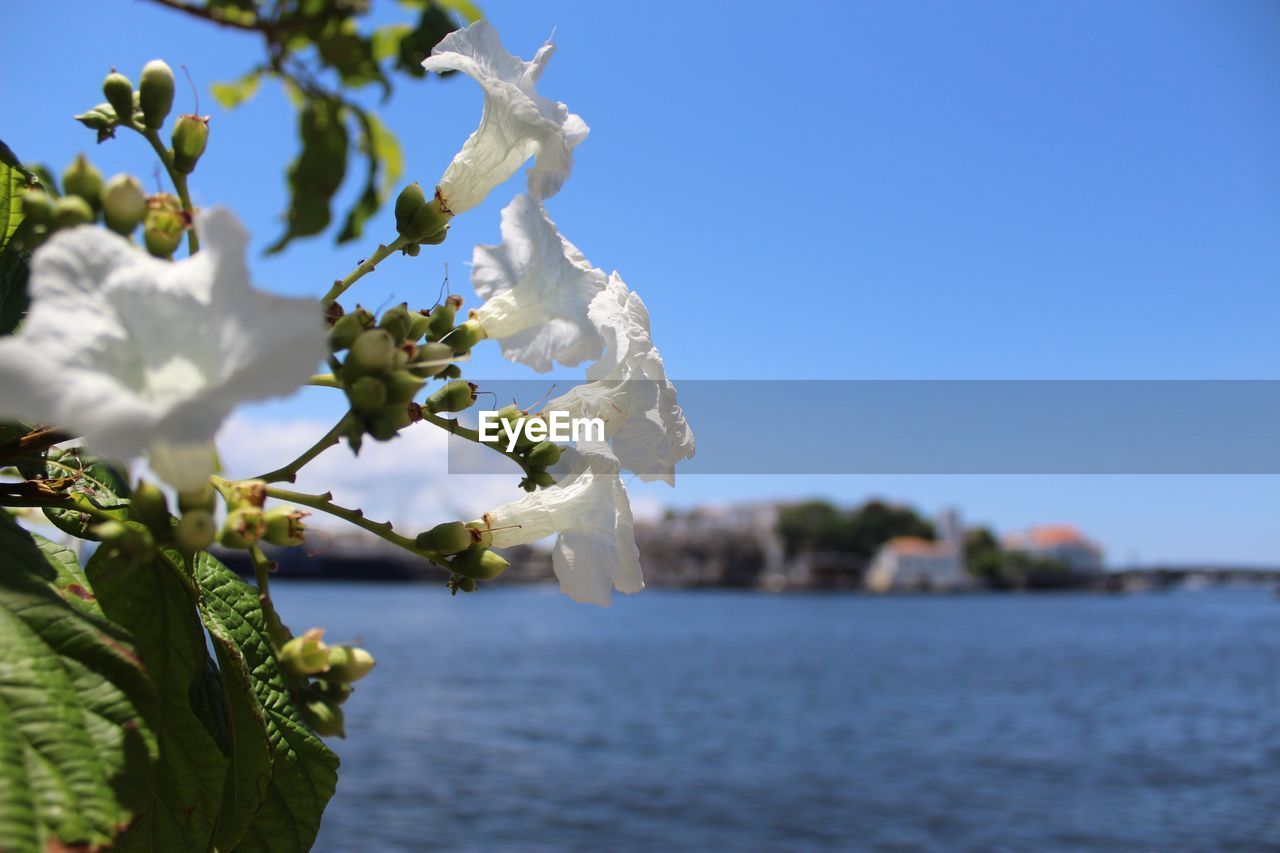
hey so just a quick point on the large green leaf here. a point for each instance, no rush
(385, 165)
(303, 770)
(102, 483)
(315, 176)
(77, 753)
(155, 601)
(14, 179)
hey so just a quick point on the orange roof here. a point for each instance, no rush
(1055, 534)
(913, 545)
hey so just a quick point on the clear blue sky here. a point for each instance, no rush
(872, 190)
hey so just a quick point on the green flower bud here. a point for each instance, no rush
(411, 249)
(325, 718)
(119, 92)
(464, 337)
(100, 118)
(373, 351)
(204, 498)
(478, 563)
(83, 179)
(124, 204)
(333, 692)
(457, 396)
(480, 535)
(305, 655)
(458, 582)
(70, 211)
(148, 506)
(155, 93)
(544, 454)
(432, 359)
(247, 493)
(163, 226)
(347, 328)
(284, 526)
(448, 538)
(442, 317)
(384, 425)
(453, 371)
(408, 203)
(367, 394)
(348, 664)
(429, 221)
(196, 530)
(129, 540)
(418, 328)
(437, 238)
(37, 205)
(243, 527)
(397, 321)
(542, 479)
(190, 136)
(402, 387)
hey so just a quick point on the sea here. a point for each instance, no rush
(514, 719)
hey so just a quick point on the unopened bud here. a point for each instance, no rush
(383, 425)
(100, 118)
(428, 223)
(432, 359)
(348, 327)
(373, 351)
(478, 563)
(333, 692)
(119, 92)
(204, 498)
(324, 717)
(196, 530)
(82, 178)
(348, 664)
(402, 386)
(454, 397)
(70, 211)
(397, 321)
(453, 371)
(542, 479)
(442, 317)
(163, 226)
(367, 394)
(544, 454)
(448, 538)
(458, 583)
(155, 93)
(37, 205)
(418, 328)
(130, 540)
(464, 337)
(305, 655)
(247, 493)
(149, 506)
(410, 200)
(243, 527)
(190, 136)
(284, 526)
(124, 204)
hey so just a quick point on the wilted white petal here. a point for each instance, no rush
(595, 551)
(643, 420)
(538, 289)
(131, 351)
(517, 122)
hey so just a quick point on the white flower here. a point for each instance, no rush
(595, 550)
(517, 122)
(538, 288)
(133, 352)
(631, 392)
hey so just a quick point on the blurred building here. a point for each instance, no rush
(909, 563)
(1060, 542)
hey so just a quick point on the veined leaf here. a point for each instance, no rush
(303, 772)
(77, 753)
(315, 176)
(95, 479)
(233, 93)
(386, 164)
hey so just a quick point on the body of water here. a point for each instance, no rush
(513, 718)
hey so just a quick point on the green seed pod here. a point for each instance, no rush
(418, 328)
(373, 351)
(148, 506)
(196, 530)
(437, 238)
(429, 221)
(478, 563)
(367, 394)
(481, 536)
(544, 454)
(124, 204)
(163, 226)
(247, 493)
(408, 203)
(155, 93)
(325, 718)
(432, 359)
(305, 655)
(83, 179)
(464, 337)
(453, 371)
(100, 118)
(457, 396)
(543, 480)
(442, 317)
(70, 211)
(333, 692)
(119, 92)
(348, 664)
(402, 387)
(459, 583)
(243, 527)
(384, 424)
(411, 249)
(397, 321)
(451, 537)
(284, 526)
(37, 205)
(190, 136)
(347, 328)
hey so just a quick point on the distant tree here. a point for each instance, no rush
(982, 555)
(820, 526)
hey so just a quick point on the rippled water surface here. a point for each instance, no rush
(513, 718)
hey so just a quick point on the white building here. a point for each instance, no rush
(912, 563)
(1060, 542)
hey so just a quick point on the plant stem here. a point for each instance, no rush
(179, 182)
(364, 268)
(261, 572)
(289, 473)
(214, 15)
(324, 380)
(452, 426)
(382, 529)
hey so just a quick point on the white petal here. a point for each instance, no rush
(129, 350)
(539, 288)
(517, 122)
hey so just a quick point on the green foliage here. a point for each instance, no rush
(14, 257)
(315, 176)
(103, 484)
(77, 749)
(819, 526)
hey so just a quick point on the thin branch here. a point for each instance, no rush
(249, 23)
(289, 473)
(365, 267)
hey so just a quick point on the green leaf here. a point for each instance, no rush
(233, 93)
(13, 182)
(104, 485)
(433, 25)
(155, 601)
(303, 771)
(314, 177)
(77, 753)
(386, 164)
(468, 10)
(14, 257)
